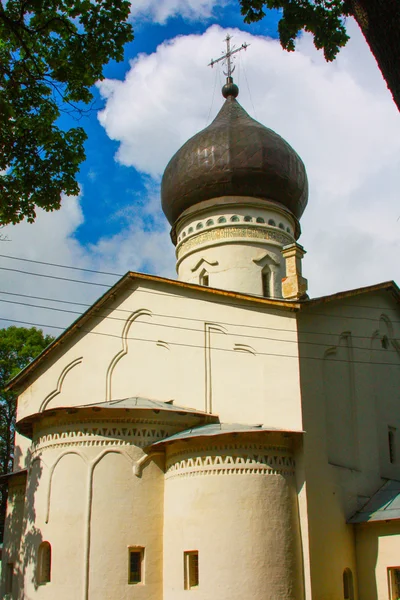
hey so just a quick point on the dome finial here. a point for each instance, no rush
(230, 88)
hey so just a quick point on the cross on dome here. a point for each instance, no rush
(230, 88)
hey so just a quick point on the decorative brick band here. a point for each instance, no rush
(119, 432)
(244, 231)
(232, 460)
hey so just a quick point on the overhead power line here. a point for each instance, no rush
(185, 345)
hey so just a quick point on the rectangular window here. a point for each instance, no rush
(394, 583)
(191, 569)
(265, 284)
(9, 577)
(392, 444)
(136, 556)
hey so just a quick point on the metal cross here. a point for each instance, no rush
(228, 55)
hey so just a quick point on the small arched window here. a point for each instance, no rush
(248, 219)
(210, 222)
(288, 229)
(221, 220)
(281, 226)
(235, 219)
(272, 223)
(184, 234)
(266, 282)
(199, 226)
(190, 230)
(44, 563)
(260, 220)
(348, 588)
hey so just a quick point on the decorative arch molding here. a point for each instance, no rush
(341, 405)
(124, 350)
(265, 259)
(204, 263)
(60, 381)
(51, 473)
(244, 348)
(385, 323)
(209, 329)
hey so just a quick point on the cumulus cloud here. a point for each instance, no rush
(339, 117)
(159, 11)
(142, 245)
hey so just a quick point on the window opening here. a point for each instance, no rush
(392, 444)
(9, 577)
(199, 226)
(266, 278)
(260, 220)
(136, 556)
(191, 569)
(44, 563)
(394, 583)
(235, 219)
(272, 223)
(210, 222)
(190, 230)
(248, 218)
(204, 278)
(221, 220)
(348, 590)
(281, 226)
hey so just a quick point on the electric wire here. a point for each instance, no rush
(185, 345)
(61, 266)
(191, 329)
(163, 315)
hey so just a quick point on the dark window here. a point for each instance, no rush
(9, 577)
(136, 565)
(235, 219)
(221, 220)
(394, 583)
(191, 568)
(44, 563)
(272, 223)
(248, 218)
(392, 444)
(266, 283)
(348, 592)
(260, 220)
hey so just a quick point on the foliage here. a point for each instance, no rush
(51, 53)
(18, 347)
(322, 18)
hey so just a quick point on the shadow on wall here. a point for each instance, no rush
(22, 537)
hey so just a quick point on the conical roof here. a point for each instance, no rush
(234, 156)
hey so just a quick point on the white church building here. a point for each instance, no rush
(221, 435)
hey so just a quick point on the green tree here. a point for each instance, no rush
(51, 53)
(18, 347)
(379, 21)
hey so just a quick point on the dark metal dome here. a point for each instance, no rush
(234, 156)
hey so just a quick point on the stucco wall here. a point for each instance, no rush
(378, 548)
(233, 499)
(350, 396)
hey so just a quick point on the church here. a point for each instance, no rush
(222, 434)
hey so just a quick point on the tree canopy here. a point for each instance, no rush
(18, 347)
(51, 53)
(379, 21)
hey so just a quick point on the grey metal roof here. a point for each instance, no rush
(213, 429)
(25, 425)
(384, 505)
(234, 156)
(144, 403)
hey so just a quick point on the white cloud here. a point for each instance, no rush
(159, 11)
(51, 239)
(339, 117)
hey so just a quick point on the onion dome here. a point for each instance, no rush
(234, 156)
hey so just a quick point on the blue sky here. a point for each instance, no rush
(101, 202)
(339, 117)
